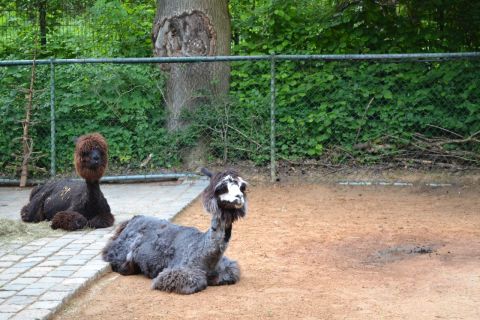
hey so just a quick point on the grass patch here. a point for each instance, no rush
(18, 230)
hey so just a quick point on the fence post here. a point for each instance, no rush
(273, 175)
(52, 119)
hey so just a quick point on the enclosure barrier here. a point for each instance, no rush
(364, 115)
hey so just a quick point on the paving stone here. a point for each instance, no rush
(51, 263)
(72, 235)
(61, 274)
(11, 257)
(5, 316)
(40, 285)
(69, 287)
(24, 280)
(92, 252)
(44, 305)
(49, 279)
(41, 242)
(41, 254)
(7, 294)
(76, 246)
(94, 265)
(23, 252)
(32, 259)
(31, 292)
(75, 262)
(25, 264)
(38, 271)
(6, 276)
(75, 281)
(15, 269)
(14, 287)
(49, 250)
(85, 256)
(54, 296)
(6, 264)
(68, 252)
(11, 272)
(31, 248)
(21, 300)
(89, 273)
(59, 243)
(67, 268)
(59, 257)
(11, 307)
(97, 246)
(88, 239)
(32, 314)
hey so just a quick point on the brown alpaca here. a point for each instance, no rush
(73, 205)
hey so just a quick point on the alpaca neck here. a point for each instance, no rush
(93, 190)
(216, 239)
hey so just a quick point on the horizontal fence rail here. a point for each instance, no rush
(326, 57)
(323, 110)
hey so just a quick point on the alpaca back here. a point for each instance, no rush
(153, 244)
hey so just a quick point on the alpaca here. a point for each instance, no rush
(183, 259)
(73, 205)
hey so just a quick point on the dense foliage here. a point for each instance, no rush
(334, 112)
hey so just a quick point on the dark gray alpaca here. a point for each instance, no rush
(183, 259)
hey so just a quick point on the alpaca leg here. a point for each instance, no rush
(226, 272)
(68, 220)
(180, 280)
(103, 220)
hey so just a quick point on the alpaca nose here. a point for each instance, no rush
(96, 158)
(239, 199)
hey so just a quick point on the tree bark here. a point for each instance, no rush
(192, 28)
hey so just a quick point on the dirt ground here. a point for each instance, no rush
(310, 251)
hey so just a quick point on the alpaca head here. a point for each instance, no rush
(91, 156)
(226, 195)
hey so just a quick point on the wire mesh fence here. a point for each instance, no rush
(75, 28)
(354, 111)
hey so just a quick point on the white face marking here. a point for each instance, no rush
(240, 181)
(234, 193)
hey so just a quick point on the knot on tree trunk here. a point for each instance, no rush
(188, 34)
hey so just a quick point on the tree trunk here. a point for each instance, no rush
(192, 28)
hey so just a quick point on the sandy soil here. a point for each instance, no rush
(311, 251)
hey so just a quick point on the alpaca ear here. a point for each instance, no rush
(206, 172)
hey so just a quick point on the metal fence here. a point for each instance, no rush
(325, 110)
(75, 28)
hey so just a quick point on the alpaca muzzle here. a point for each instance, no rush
(229, 201)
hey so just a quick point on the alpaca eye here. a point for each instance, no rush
(221, 189)
(243, 187)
